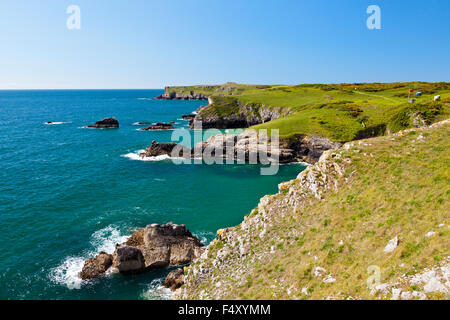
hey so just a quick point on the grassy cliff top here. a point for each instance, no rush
(297, 246)
(341, 112)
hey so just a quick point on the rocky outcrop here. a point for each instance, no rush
(159, 126)
(188, 117)
(251, 146)
(158, 149)
(155, 246)
(173, 95)
(247, 147)
(108, 123)
(163, 245)
(174, 279)
(95, 267)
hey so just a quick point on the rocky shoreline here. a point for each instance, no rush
(246, 146)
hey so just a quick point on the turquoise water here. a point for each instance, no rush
(67, 193)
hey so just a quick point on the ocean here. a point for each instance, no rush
(68, 192)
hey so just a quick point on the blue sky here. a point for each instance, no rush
(153, 43)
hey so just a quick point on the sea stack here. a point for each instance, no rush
(107, 123)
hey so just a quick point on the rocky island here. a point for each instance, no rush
(108, 123)
(159, 126)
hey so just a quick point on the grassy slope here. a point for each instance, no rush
(392, 186)
(340, 112)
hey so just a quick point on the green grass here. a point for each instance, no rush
(392, 186)
(341, 112)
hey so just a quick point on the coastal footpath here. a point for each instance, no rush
(367, 221)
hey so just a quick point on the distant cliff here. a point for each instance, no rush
(184, 93)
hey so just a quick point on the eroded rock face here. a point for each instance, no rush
(169, 244)
(310, 149)
(95, 267)
(157, 246)
(110, 123)
(174, 279)
(128, 259)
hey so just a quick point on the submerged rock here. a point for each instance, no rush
(95, 267)
(174, 279)
(143, 123)
(111, 123)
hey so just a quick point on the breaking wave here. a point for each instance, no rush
(67, 273)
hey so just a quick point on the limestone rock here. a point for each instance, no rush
(95, 267)
(128, 259)
(174, 279)
(392, 244)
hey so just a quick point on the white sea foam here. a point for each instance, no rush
(204, 236)
(67, 273)
(154, 130)
(106, 239)
(296, 163)
(136, 156)
(141, 124)
(155, 291)
(144, 99)
(54, 123)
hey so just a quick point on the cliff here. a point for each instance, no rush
(225, 112)
(368, 221)
(340, 113)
